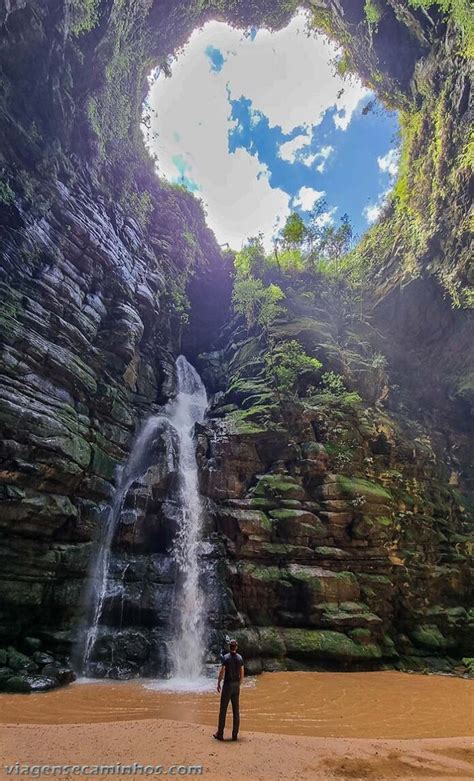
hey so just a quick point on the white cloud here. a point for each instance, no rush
(352, 97)
(373, 211)
(307, 197)
(324, 154)
(277, 72)
(287, 77)
(389, 162)
(326, 218)
(288, 151)
(297, 150)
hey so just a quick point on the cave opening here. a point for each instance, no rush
(259, 124)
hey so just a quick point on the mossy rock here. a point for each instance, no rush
(314, 644)
(429, 637)
(260, 641)
(281, 486)
(309, 332)
(290, 514)
(388, 646)
(325, 586)
(247, 352)
(360, 635)
(259, 503)
(313, 450)
(19, 661)
(252, 523)
(248, 422)
(102, 463)
(354, 487)
(377, 527)
(343, 616)
(260, 572)
(284, 552)
(242, 389)
(17, 685)
(327, 552)
(5, 674)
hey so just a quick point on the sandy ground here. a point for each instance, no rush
(255, 757)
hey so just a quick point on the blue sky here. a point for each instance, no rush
(259, 125)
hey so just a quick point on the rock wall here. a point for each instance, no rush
(345, 543)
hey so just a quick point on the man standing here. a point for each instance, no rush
(232, 671)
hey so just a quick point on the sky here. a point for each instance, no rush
(259, 124)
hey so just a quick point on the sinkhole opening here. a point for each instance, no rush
(262, 125)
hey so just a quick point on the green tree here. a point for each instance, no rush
(258, 303)
(251, 260)
(306, 244)
(294, 232)
(325, 240)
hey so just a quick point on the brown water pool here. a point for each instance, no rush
(352, 705)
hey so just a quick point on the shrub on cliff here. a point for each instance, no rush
(286, 362)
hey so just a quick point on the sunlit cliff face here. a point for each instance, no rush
(262, 124)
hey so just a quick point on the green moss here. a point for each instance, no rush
(460, 12)
(7, 196)
(179, 299)
(102, 463)
(429, 637)
(258, 572)
(411, 127)
(114, 111)
(262, 504)
(285, 552)
(360, 635)
(84, 16)
(260, 641)
(373, 13)
(285, 515)
(251, 421)
(383, 520)
(309, 644)
(344, 66)
(139, 205)
(241, 388)
(468, 661)
(354, 487)
(281, 486)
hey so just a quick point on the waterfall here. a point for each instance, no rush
(190, 604)
(189, 609)
(134, 468)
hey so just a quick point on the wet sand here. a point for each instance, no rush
(331, 726)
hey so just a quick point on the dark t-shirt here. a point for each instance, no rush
(232, 664)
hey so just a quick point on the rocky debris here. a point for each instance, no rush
(40, 671)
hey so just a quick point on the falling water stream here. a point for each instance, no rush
(190, 605)
(189, 609)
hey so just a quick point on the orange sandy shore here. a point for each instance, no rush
(256, 756)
